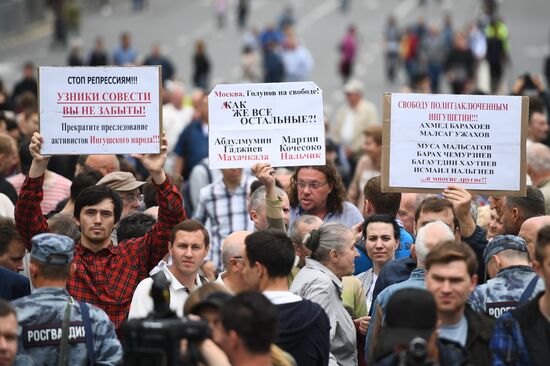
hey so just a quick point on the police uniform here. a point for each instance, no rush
(502, 293)
(41, 314)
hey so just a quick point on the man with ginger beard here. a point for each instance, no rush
(319, 191)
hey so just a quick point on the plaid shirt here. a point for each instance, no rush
(223, 212)
(507, 344)
(107, 278)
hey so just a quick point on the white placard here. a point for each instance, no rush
(473, 141)
(280, 123)
(99, 110)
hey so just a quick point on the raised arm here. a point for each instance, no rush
(28, 215)
(154, 244)
(273, 203)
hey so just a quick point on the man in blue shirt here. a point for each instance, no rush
(124, 54)
(192, 145)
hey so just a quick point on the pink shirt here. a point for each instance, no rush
(57, 190)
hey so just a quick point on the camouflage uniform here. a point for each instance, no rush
(40, 316)
(503, 292)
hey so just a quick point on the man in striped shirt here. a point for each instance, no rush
(223, 209)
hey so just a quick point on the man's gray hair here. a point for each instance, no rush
(538, 157)
(420, 243)
(295, 236)
(257, 198)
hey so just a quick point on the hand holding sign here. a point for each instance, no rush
(154, 163)
(39, 161)
(264, 173)
(461, 200)
(277, 122)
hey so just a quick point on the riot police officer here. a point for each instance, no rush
(55, 329)
(513, 280)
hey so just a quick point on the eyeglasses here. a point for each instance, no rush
(311, 185)
(131, 198)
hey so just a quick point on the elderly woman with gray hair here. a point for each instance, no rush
(320, 280)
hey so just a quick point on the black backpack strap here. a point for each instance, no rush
(85, 311)
(528, 292)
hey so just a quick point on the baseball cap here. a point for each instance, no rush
(215, 299)
(52, 249)
(410, 313)
(353, 86)
(121, 181)
(503, 242)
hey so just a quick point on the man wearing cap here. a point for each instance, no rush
(53, 327)
(507, 263)
(106, 275)
(412, 317)
(522, 335)
(352, 119)
(126, 185)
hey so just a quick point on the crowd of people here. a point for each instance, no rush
(306, 265)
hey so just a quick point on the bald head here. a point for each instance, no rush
(104, 164)
(233, 246)
(529, 230)
(407, 209)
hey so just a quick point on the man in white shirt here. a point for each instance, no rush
(188, 246)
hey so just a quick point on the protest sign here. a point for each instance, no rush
(280, 123)
(100, 110)
(477, 142)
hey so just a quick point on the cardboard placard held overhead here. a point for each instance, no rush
(100, 110)
(279, 123)
(433, 140)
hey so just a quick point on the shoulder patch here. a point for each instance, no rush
(496, 309)
(50, 334)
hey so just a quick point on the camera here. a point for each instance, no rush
(156, 340)
(416, 354)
